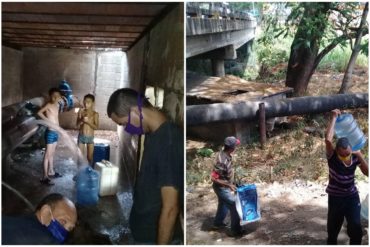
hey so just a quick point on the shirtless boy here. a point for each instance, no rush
(87, 122)
(50, 113)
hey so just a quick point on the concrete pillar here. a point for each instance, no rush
(218, 67)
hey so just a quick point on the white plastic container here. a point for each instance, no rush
(108, 178)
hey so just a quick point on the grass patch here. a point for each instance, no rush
(338, 58)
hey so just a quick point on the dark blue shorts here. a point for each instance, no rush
(51, 136)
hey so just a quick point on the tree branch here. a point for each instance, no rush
(335, 42)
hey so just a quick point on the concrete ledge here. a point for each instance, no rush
(199, 26)
(198, 44)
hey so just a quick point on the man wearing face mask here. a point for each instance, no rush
(158, 193)
(344, 201)
(54, 218)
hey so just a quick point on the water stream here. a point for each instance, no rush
(68, 139)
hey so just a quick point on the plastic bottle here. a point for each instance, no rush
(346, 126)
(88, 187)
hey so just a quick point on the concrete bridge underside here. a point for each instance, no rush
(217, 39)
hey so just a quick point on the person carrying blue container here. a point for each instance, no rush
(344, 201)
(158, 194)
(222, 177)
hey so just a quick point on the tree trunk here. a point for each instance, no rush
(305, 47)
(347, 78)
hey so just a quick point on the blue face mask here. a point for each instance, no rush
(57, 230)
(132, 129)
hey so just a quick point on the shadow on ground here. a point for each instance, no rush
(283, 222)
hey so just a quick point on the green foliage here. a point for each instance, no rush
(338, 58)
(365, 47)
(307, 20)
(205, 152)
(271, 52)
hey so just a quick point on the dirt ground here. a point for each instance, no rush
(292, 213)
(290, 174)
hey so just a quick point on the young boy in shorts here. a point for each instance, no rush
(87, 122)
(50, 113)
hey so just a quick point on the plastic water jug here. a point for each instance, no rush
(101, 152)
(65, 88)
(346, 126)
(66, 91)
(87, 187)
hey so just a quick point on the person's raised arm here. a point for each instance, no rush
(330, 133)
(169, 213)
(363, 164)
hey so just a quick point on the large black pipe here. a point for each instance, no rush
(10, 112)
(223, 112)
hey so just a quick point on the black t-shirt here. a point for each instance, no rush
(25, 230)
(162, 165)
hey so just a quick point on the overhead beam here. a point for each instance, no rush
(155, 21)
(73, 27)
(111, 9)
(68, 19)
(69, 33)
(69, 42)
(51, 38)
(87, 34)
(55, 45)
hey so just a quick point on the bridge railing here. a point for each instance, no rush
(215, 10)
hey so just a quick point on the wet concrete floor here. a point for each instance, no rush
(105, 223)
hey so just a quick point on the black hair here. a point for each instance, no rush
(343, 142)
(54, 90)
(50, 200)
(122, 100)
(89, 96)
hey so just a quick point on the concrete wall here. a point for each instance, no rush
(12, 90)
(96, 72)
(158, 60)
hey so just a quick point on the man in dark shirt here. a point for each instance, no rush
(158, 193)
(344, 201)
(223, 184)
(55, 216)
